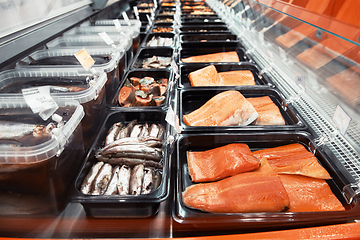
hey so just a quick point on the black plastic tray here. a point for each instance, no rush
(211, 37)
(155, 73)
(117, 206)
(164, 35)
(192, 99)
(149, 52)
(162, 25)
(185, 70)
(195, 220)
(195, 49)
(200, 19)
(204, 28)
(159, 18)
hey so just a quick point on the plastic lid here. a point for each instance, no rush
(67, 52)
(121, 42)
(60, 136)
(110, 22)
(134, 32)
(96, 83)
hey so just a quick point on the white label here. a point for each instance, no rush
(149, 19)
(341, 119)
(106, 38)
(174, 66)
(300, 80)
(136, 11)
(85, 59)
(126, 18)
(173, 119)
(117, 25)
(155, 3)
(40, 101)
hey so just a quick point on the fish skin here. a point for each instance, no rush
(136, 179)
(147, 141)
(88, 180)
(130, 161)
(126, 132)
(144, 131)
(227, 108)
(14, 130)
(154, 130)
(148, 182)
(112, 133)
(123, 184)
(112, 186)
(102, 180)
(129, 150)
(161, 134)
(136, 130)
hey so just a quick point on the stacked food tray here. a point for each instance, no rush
(205, 129)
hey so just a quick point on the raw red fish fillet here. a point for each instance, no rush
(255, 191)
(214, 57)
(207, 76)
(309, 194)
(293, 159)
(224, 109)
(269, 113)
(236, 78)
(221, 162)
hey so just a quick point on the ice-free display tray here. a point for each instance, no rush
(192, 99)
(200, 19)
(204, 28)
(146, 53)
(141, 73)
(185, 70)
(150, 36)
(195, 49)
(211, 223)
(118, 206)
(213, 37)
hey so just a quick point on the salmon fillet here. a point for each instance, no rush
(224, 109)
(214, 57)
(293, 159)
(236, 78)
(244, 192)
(309, 194)
(207, 76)
(221, 162)
(269, 113)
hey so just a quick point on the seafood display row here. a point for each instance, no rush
(154, 62)
(129, 163)
(159, 42)
(209, 76)
(162, 30)
(231, 108)
(285, 178)
(143, 92)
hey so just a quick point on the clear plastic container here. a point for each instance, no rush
(83, 87)
(106, 59)
(37, 169)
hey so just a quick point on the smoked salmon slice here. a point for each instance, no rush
(244, 192)
(224, 109)
(221, 162)
(214, 57)
(293, 159)
(269, 113)
(309, 194)
(207, 76)
(237, 78)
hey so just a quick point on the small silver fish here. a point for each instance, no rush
(135, 151)
(15, 130)
(154, 130)
(123, 184)
(112, 186)
(144, 131)
(102, 180)
(131, 161)
(147, 141)
(148, 181)
(136, 180)
(136, 130)
(88, 180)
(112, 133)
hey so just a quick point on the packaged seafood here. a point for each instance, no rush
(212, 37)
(190, 100)
(82, 86)
(106, 60)
(256, 215)
(161, 29)
(204, 29)
(196, 50)
(38, 159)
(158, 58)
(160, 40)
(200, 19)
(186, 70)
(132, 145)
(155, 86)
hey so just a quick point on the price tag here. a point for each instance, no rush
(106, 38)
(126, 18)
(173, 119)
(300, 80)
(341, 119)
(136, 11)
(85, 59)
(149, 19)
(40, 101)
(155, 4)
(117, 25)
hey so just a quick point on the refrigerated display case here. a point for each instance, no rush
(301, 55)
